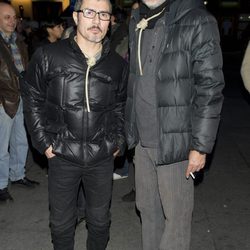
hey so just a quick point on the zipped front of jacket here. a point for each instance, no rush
(85, 112)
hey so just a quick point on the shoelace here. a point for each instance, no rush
(142, 25)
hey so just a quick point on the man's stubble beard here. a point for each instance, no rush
(96, 38)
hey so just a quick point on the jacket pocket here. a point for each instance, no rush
(11, 106)
(111, 145)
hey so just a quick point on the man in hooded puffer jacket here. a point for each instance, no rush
(172, 113)
(74, 99)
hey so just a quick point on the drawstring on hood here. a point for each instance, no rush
(149, 17)
(142, 25)
(90, 62)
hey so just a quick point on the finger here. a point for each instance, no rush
(116, 153)
(189, 170)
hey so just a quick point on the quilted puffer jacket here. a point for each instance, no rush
(55, 104)
(189, 82)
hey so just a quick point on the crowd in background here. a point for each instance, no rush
(36, 34)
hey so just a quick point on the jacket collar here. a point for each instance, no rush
(9, 39)
(105, 44)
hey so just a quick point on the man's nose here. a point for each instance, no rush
(13, 20)
(96, 19)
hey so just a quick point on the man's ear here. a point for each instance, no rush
(75, 17)
(48, 30)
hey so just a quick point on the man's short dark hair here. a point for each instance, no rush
(78, 4)
(51, 23)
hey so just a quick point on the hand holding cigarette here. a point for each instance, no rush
(196, 163)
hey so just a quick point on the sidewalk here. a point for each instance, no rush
(222, 200)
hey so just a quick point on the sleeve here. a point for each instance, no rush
(245, 69)
(33, 92)
(120, 110)
(208, 83)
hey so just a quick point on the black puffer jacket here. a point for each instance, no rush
(55, 103)
(189, 82)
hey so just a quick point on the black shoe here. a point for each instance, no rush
(129, 197)
(4, 195)
(25, 182)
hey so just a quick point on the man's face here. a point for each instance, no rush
(92, 30)
(152, 4)
(8, 19)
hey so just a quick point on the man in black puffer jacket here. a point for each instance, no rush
(74, 99)
(172, 112)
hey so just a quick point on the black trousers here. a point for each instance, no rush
(64, 180)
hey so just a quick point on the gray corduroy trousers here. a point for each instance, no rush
(165, 200)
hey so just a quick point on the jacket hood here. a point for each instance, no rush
(177, 9)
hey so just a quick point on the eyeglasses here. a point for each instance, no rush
(89, 13)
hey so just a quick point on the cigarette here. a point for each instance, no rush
(192, 175)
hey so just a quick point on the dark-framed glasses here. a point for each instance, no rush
(89, 13)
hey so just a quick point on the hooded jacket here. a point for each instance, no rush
(189, 82)
(56, 108)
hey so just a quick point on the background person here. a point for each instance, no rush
(245, 68)
(50, 32)
(13, 138)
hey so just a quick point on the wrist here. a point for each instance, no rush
(201, 152)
